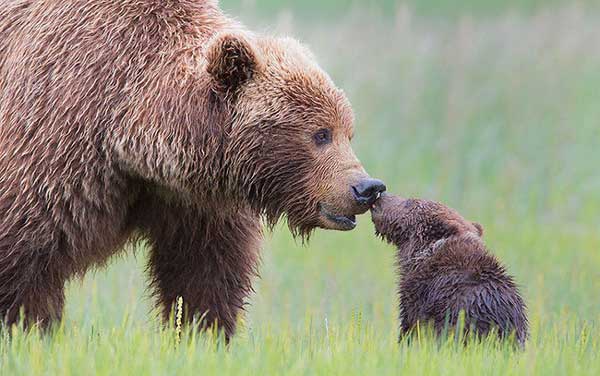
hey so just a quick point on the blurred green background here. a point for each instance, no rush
(490, 106)
(442, 8)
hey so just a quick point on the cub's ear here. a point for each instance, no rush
(479, 228)
(232, 61)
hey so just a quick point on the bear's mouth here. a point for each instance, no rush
(337, 221)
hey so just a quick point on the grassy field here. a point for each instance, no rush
(497, 115)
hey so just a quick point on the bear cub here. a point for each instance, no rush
(445, 268)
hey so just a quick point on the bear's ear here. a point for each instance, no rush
(232, 61)
(479, 228)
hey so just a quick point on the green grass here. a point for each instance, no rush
(496, 116)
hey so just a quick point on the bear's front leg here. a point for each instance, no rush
(31, 284)
(209, 259)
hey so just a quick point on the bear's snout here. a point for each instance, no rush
(368, 190)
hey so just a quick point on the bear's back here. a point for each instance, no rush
(463, 276)
(90, 61)
(12, 15)
(80, 82)
(79, 77)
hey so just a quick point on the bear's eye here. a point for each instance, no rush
(322, 137)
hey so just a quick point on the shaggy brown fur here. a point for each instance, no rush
(446, 268)
(167, 119)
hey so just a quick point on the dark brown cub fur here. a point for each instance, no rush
(446, 268)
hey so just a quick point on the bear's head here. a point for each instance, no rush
(414, 225)
(288, 146)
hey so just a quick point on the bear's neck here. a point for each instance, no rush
(410, 258)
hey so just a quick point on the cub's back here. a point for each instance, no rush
(463, 276)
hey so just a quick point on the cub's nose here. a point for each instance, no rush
(368, 190)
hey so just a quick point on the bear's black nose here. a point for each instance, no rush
(368, 190)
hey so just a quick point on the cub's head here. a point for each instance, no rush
(288, 149)
(417, 224)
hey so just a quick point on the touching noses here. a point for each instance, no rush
(368, 190)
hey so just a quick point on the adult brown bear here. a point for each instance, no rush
(168, 120)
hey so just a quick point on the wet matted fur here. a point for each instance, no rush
(445, 268)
